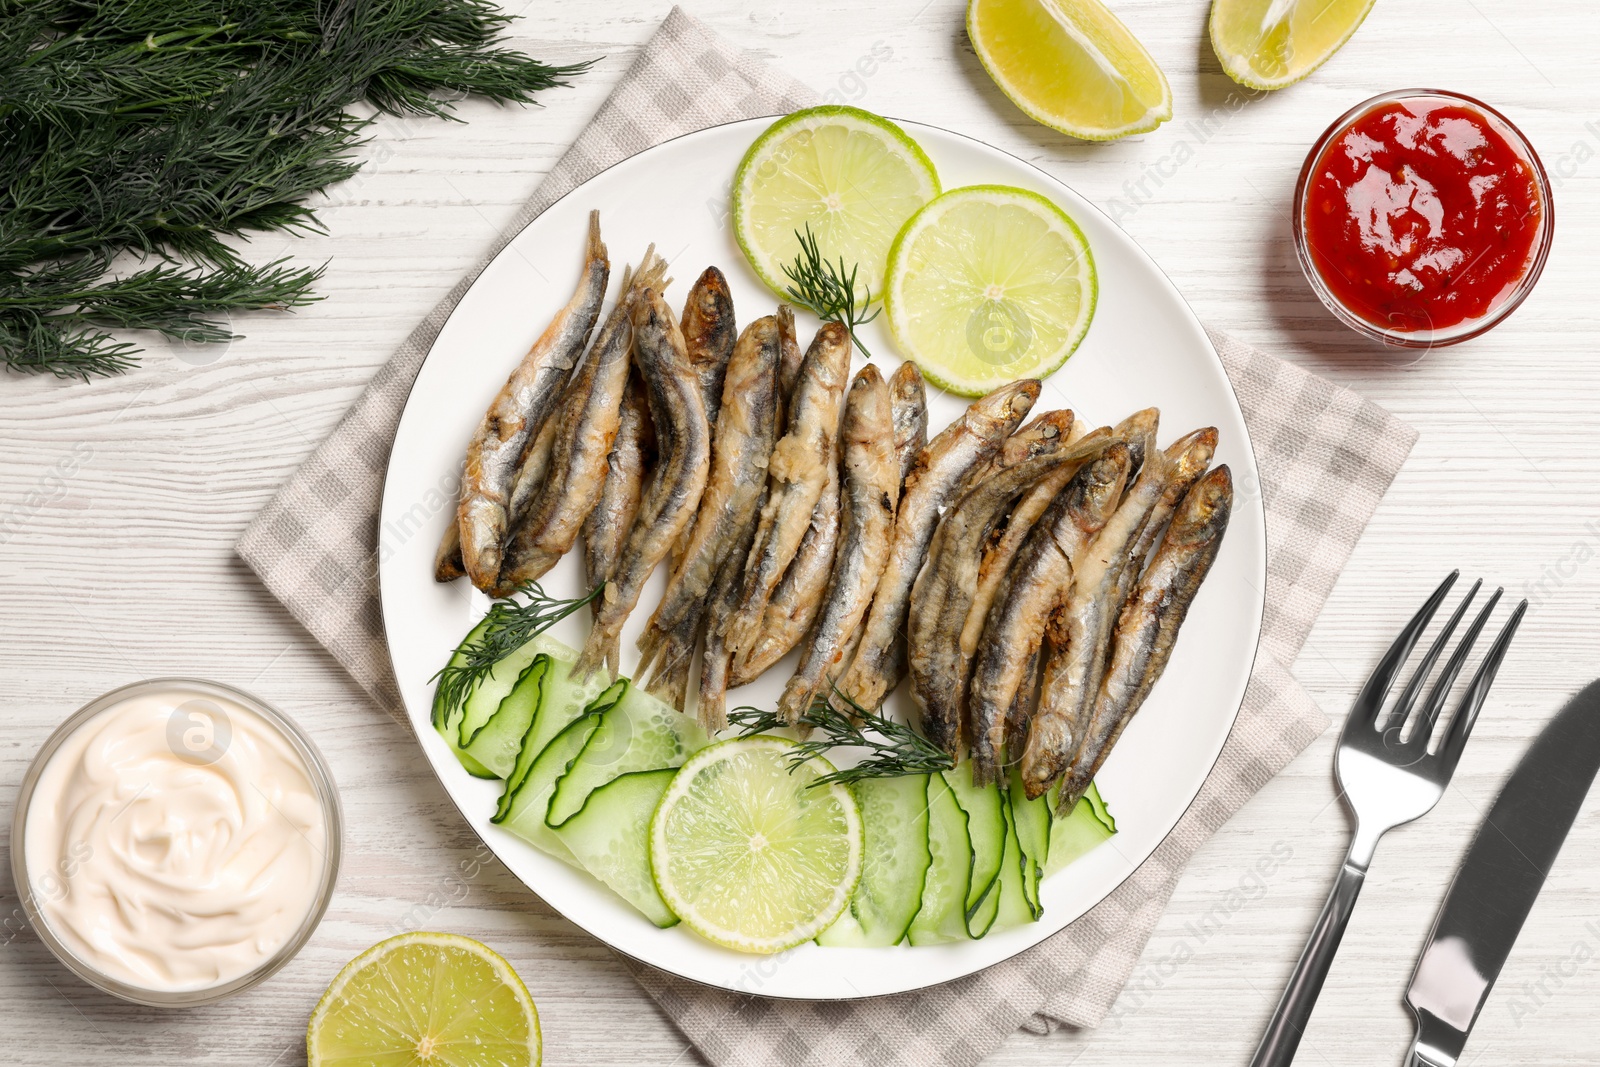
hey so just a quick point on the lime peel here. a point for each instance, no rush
(1263, 44)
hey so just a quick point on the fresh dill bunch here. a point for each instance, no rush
(162, 131)
(827, 289)
(510, 624)
(894, 749)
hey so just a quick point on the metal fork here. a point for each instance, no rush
(1388, 777)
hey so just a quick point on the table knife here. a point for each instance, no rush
(1499, 880)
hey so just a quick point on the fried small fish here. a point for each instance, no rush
(940, 470)
(709, 335)
(607, 526)
(871, 488)
(1148, 627)
(908, 394)
(516, 415)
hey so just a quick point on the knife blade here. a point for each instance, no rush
(1500, 878)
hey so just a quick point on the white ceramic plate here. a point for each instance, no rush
(1144, 348)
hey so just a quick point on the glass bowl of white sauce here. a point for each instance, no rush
(176, 841)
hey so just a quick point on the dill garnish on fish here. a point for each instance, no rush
(828, 290)
(894, 749)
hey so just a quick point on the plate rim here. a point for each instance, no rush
(1257, 502)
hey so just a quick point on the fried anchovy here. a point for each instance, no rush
(871, 489)
(908, 394)
(938, 473)
(716, 660)
(608, 524)
(1148, 625)
(517, 413)
(795, 477)
(942, 596)
(584, 426)
(683, 459)
(798, 597)
(746, 431)
(1078, 638)
(1005, 672)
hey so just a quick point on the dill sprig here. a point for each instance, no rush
(510, 624)
(894, 749)
(134, 131)
(827, 289)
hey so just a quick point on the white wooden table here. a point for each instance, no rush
(120, 502)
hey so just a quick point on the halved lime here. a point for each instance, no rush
(1267, 44)
(748, 852)
(422, 999)
(1070, 64)
(851, 176)
(989, 284)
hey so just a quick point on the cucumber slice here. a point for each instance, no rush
(526, 798)
(485, 698)
(1031, 821)
(1015, 909)
(986, 830)
(610, 837)
(499, 742)
(1072, 836)
(943, 913)
(637, 733)
(894, 862)
(444, 717)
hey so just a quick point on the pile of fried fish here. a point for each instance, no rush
(1030, 579)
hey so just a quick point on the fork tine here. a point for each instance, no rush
(1466, 715)
(1408, 697)
(1429, 715)
(1370, 700)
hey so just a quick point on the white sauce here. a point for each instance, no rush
(175, 841)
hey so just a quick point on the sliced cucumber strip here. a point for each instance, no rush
(1077, 833)
(1015, 909)
(443, 717)
(637, 733)
(610, 837)
(894, 862)
(485, 698)
(499, 741)
(943, 913)
(986, 829)
(526, 799)
(1031, 819)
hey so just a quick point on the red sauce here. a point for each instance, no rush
(1421, 215)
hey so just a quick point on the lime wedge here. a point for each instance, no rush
(851, 176)
(1267, 44)
(425, 999)
(1070, 64)
(989, 284)
(749, 853)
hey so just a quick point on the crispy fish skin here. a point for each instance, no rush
(1006, 668)
(1079, 635)
(608, 524)
(796, 476)
(683, 461)
(941, 468)
(795, 602)
(742, 444)
(585, 425)
(517, 413)
(709, 335)
(1148, 626)
(942, 596)
(908, 396)
(871, 490)
(1191, 455)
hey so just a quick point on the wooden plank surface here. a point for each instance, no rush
(120, 502)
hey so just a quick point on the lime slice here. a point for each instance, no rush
(853, 177)
(1070, 64)
(748, 852)
(989, 284)
(1267, 44)
(425, 999)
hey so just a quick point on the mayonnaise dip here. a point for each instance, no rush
(176, 840)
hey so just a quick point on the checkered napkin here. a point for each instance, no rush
(1325, 455)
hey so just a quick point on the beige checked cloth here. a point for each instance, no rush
(1326, 457)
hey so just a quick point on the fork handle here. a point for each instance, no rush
(1288, 1024)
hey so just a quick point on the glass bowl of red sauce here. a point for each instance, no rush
(1422, 218)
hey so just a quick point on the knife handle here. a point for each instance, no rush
(1288, 1023)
